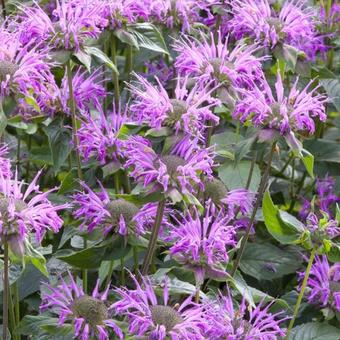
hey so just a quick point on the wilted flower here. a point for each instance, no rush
(88, 90)
(188, 111)
(159, 320)
(295, 24)
(99, 210)
(206, 60)
(181, 167)
(323, 283)
(228, 321)
(25, 74)
(21, 215)
(89, 314)
(294, 112)
(74, 21)
(99, 137)
(201, 242)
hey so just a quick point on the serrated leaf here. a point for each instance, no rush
(314, 331)
(84, 58)
(126, 37)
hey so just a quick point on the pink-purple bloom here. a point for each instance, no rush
(26, 211)
(99, 136)
(323, 283)
(294, 25)
(230, 320)
(149, 317)
(189, 110)
(201, 243)
(275, 110)
(181, 167)
(206, 59)
(88, 91)
(73, 22)
(89, 314)
(98, 210)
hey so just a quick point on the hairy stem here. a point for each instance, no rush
(29, 145)
(260, 192)
(302, 291)
(154, 236)
(135, 259)
(5, 290)
(114, 74)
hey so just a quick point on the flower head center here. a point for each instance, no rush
(120, 207)
(216, 190)
(19, 205)
(179, 108)
(217, 64)
(172, 163)
(165, 316)
(7, 68)
(91, 309)
(334, 286)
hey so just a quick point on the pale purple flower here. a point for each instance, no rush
(89, 313)
(73, 22)
(88, 91)
(181, 167)
(201, 243)
(189, 111)
(323, 283)
(98, 210)
(323, 227)
(154, 319)
(160, 70)
(230, 320)
(205, 60)
(294, 25)
(25, 74)
(26, 211)
(99, 137)
(5, 163)
(273, 109)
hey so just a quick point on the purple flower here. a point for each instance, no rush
(244, 322)
(5, 163)
(182, 167)
(28, 212)
(206, 60)
(188, 111)
(148, 317)
(295, 24)
(88, 313)
(88, 90)
(99, 210)
(73, 22)
(325, 198)
(323, 283)
(25, 73)
(160, 70)
(201, 242)
(294, 112)
(99, 137)
(322, 228)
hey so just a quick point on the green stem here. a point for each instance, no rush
(302, 291)
(300, 186)
(286, 165)
(153, 238)
(18, 156)
(197, 294)
(29, 145)
(5, 290)
(74, 118)
(115, 77)
(109, 274)
(122, 271)
(251, 170)
(17, 302)
(116, 182)
(135, 259)
(11, 307)
(84, 272)
(3, 5)
(260, 192)
(128, 63)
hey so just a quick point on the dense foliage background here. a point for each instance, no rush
(169, 169)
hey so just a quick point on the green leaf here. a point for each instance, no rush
(69, 182)
(287, 53)
(243, 147)
(315, 331)
(308, 161)
(126, 37)
(282, 232)
(323, 150)
(30, 100)
(266, 262)
(110, 168)
(236, 176)
(148, 36)
(3, 121)
(101, 56)
(32, 255)
(332, 87)
(59, 140)
(334, 253)
(84, 58)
